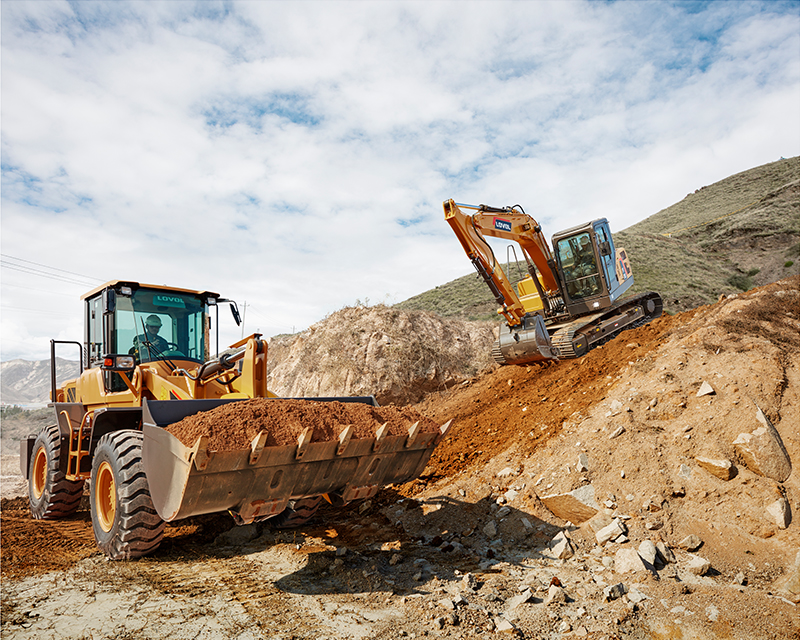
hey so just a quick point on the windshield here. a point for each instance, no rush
(579, 265)
(154, 324)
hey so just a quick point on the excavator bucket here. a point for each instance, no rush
(258, 481)
(526, 344)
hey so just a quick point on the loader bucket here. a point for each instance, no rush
(257, 482)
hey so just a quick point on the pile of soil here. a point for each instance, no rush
(233, 426)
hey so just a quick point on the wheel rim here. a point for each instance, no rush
(105, 496)
(39, 473)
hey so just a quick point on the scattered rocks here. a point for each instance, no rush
(612, 531)
(522, 598)
(490, 529)
(583, 463)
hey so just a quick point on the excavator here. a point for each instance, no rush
(146, 364)
(571, 298)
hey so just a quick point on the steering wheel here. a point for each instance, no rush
(172, 346)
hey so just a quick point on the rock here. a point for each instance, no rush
(576, 506)
(555, 595)
(665, 552)
(740, 579)
(490, 529)
(459, 600)
(697, 565)
(705, 390)
(763, 451)
(780, 513)
(507, 472)
(447, 604)
(690, 543)
(526, 523)
(599, 521)
(470, 583)
(614, 591)
(648, 552)
(560, 546)
(712, 613)
(721, 468)
(510, 495)
(583, 463)
(636, 596)
(614, 407)
(617, 432)
(395, 559)
(616, 528)
(523, 597)
(790, 583)
(684, 472)
(628, 561)
(504, 626)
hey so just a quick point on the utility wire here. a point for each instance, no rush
(48, 272)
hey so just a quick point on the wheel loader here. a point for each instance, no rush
(146, 366)
(571, 298)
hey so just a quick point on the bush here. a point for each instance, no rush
(740, 281)
(788, 263)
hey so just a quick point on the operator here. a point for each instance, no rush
(149, 343)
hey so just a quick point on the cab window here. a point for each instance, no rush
(579, 264)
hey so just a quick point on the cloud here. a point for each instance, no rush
(295, 155)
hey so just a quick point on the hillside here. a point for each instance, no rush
(737, 233)
(28, 382)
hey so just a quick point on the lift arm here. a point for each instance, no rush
(508, 223)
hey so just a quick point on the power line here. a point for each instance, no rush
(47, 272)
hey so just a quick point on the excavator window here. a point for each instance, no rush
(579, 264)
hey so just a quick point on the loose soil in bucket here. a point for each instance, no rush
(233, 426)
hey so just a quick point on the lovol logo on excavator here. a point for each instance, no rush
(502, 225)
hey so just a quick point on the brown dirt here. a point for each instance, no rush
(233, 426)
(488, 412)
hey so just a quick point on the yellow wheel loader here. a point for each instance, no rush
(571, 298)
(145, 366)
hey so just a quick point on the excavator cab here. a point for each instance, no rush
(591, 279)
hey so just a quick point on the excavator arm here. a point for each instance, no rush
(509, 223)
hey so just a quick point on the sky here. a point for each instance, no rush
(294, 156)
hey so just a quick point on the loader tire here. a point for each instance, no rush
(50, 494)
(297, 513)
(125, 523)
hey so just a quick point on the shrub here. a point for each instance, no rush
(740, 281)
(788, 263)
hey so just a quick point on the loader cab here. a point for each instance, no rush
(590, 277)
(148, 322)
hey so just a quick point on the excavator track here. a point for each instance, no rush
(578, 337)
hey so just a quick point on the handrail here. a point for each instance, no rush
(53, 344)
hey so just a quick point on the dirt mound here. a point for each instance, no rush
(233, 426)
(397, 356)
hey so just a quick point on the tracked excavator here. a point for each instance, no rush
(146, 365)
(571, 299)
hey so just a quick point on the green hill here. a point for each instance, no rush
(737, 233)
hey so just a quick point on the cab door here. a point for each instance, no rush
(605, 245)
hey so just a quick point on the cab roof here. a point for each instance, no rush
(111, 284)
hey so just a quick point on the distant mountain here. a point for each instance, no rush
(738, 233)
(26, 382)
